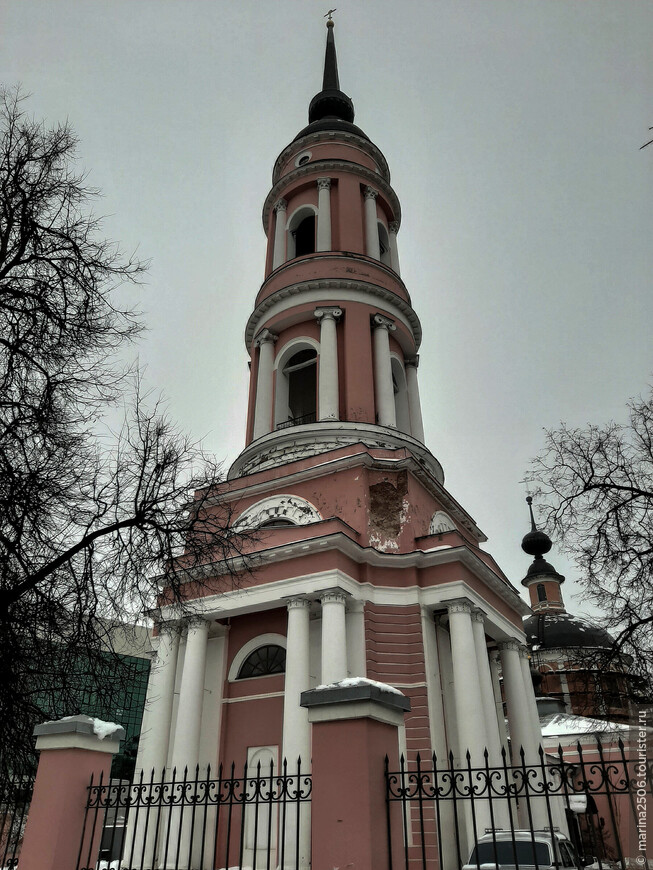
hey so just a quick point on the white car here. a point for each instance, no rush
(523, 848)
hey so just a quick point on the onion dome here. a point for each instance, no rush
(331, 109)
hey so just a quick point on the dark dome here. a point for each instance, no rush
(562, 630)
(541, 566)
(331, 124)
(536, 543)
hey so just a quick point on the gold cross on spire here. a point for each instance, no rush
(329, 14)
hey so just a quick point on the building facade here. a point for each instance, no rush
(365, 567)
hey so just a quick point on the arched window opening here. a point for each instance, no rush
(305, 237)
(384, 245)
(263, 662)
(400, 389)
(300, 374)
(541, 592)
(276, 523)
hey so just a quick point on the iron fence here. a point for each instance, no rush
(457, 814)
(15, 797)
(258, 820)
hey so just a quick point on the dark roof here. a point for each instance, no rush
(562, 630)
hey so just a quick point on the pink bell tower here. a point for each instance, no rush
(366, 567)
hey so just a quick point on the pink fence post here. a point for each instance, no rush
(354, 728)
(71, 750)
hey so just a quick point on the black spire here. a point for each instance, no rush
(537, 543)
(330, 102)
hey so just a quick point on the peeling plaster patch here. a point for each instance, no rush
(387, 510)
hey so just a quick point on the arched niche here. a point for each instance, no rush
(301, 231)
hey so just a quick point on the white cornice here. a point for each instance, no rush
(266, 596)
(365, 145)
(323, 166)
(327, 290)
(301, 442)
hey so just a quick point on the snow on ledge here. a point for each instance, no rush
(99, 727)
(359, 681)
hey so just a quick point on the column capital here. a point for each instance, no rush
(412, 361)
(265, 336)
(509, 645)
(327, 313)
(380, 321)
(298, 603)
(461, 605)
(324, 184)
(393, 227)
(523, 652)
(478, 616)
(280, 205)
(330, 596)
(370, 193)
(195, 622)
(169, 628)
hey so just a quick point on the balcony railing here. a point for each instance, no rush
(297, 421)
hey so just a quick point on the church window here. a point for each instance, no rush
(441, 523)
(384, 245)
(303, 158)
(263, 662)
(541, 592)
(301, 232)
(297, 389)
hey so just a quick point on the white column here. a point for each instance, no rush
(355, 622)
(371, 227)
(520, 723)
(160, 695)
(414, 404)
(501, 816)
(383, 390)
(334, 637)
(263, 407)
(498, 700)
(328, 382)
(191, 695)
(279, 252)
(323, 214)
(296, 729)
(472, 735)
(185, 753)
(393, 229)
(153, 744)
(529, 696)
(467, 685)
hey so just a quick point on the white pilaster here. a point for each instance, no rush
(263, 407)
(371, 227)
(296, 729)
(495, 668)
(467, 685)
(393, 229)
(383, 389)
(279, 252)
(414, 404)
(355, 621)
(328, 371)
(529, 696)
(323, 214)
(153, 745)
(334, 637)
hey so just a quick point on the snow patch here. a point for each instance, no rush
(359, 681)
(104, 729)
(566, 723)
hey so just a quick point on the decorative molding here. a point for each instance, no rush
(340, 288)
(370, 193)
(351, 139)
(382, 322)
(509, 645)
(290, 507)
(333, 596)
(298, 602)
(441, 523)
(461, 606)
(331, 166)
(324, 184)
(478, 616)
(280, 205)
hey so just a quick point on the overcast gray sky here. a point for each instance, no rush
(512, 132)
